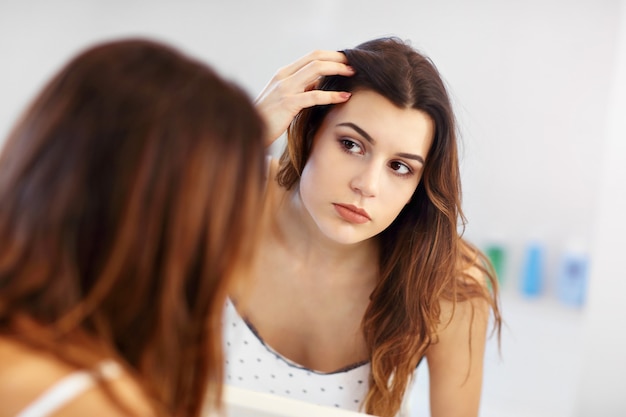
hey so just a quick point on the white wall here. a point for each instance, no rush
(602, 388)
(528, 78)
(530, 82)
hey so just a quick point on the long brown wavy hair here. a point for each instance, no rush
(128, 197)
(423, 257)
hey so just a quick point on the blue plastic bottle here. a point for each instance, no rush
(533, 270)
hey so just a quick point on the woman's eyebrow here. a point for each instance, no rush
(359, 131)
(371, 140)
(412, 156)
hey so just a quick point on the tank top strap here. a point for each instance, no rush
(68, 388)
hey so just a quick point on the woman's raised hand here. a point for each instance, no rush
(293, 88)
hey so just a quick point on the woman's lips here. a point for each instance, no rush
(351, 213)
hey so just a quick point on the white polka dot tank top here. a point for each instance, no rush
(252, 364)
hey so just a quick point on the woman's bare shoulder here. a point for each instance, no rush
(471, 290)
(26, 373)
(472, 265)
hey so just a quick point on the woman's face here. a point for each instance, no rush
(366, 161)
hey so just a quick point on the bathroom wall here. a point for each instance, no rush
(602, 384)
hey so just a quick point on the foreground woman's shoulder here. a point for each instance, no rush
(37, 379)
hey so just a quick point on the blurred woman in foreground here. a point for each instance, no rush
(125, 193)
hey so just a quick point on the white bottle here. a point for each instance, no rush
(573, 274)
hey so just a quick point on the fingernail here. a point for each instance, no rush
(349, 68)
(345, 95)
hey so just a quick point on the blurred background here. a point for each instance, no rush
(539, 89)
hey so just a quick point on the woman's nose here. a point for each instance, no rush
(367, 181)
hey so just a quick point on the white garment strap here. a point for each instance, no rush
(69, 388)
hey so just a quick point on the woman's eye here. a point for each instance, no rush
(399, 168)
(350, 146)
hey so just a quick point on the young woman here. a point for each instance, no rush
(128, 194)
(362, 271)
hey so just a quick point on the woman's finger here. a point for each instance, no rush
(312, 72)
(319, 55)
(316, 98)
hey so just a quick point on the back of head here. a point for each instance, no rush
(125, 192)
